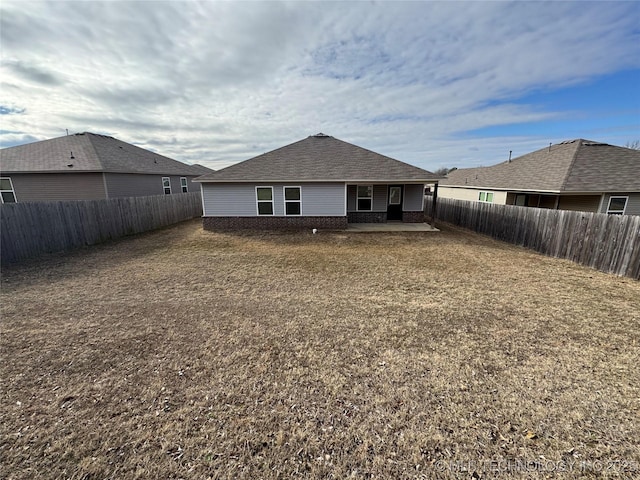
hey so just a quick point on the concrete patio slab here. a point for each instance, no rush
(390, 227)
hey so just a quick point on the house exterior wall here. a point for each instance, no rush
(273, 223)
(413, 198)
(380, 198)
(471, 194)
(579, 203)
(239, 199)
(633, 203)
(49, 187)
(137, 185)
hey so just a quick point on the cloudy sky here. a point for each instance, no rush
(434, 84)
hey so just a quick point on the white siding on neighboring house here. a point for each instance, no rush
(413, 198)
(471, 194)
(239, 199)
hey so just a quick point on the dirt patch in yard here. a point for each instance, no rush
(191, 354)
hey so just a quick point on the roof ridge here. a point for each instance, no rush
(93, 148)
(565, 179)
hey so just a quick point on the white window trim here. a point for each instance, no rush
(184, 187)
(364, 198)
(284, 198)
(163, 187)
(273, 210)
(626, 202)
(401, 202)
(485, 196)
(13, 190)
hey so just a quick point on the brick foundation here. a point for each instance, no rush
(273, 223)
(413, 217)
(367, 217)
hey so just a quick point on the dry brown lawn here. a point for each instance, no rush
(189, 354)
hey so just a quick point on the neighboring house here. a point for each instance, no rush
(574, 175)
(87, 166)
(318, 182)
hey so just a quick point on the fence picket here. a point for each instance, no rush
(605, 242)
(30, 229)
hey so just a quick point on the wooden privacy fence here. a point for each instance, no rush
(30, 229)
(610, 243)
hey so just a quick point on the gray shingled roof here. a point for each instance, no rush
(571, 166)
(201, 168)
(320, 158)
(91, 153)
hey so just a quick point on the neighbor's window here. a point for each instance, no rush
(365, 197)
(264, 198)
(292, 201)
(485, 197)
(183, 184)
(6, 190)
(166, 184)
(617, 205)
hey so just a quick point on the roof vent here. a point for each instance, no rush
(72, 157)
(320, 135)
(69, 165)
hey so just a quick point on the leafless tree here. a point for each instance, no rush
(444, 170)
(634, 144)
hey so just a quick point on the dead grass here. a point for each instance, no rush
(187, 354)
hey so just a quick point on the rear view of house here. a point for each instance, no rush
(318, 182)
(87, 166)
(577, 175)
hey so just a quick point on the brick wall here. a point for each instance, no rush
(367, 217)
(273, 223)
(413, 217)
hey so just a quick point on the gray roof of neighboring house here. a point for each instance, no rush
(89, 152)
(201, 168)
(320, 158)
(571, 166)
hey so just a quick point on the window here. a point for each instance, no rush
(365, 198)
(395, 195)
(485, 197)
(6, 190)
(183, 184)
(166, 184)
(617, 205)
(292, 201)
(264, 199)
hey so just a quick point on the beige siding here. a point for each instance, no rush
(45, 187)
(470, 194)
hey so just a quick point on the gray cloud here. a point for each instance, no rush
(218, 82)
